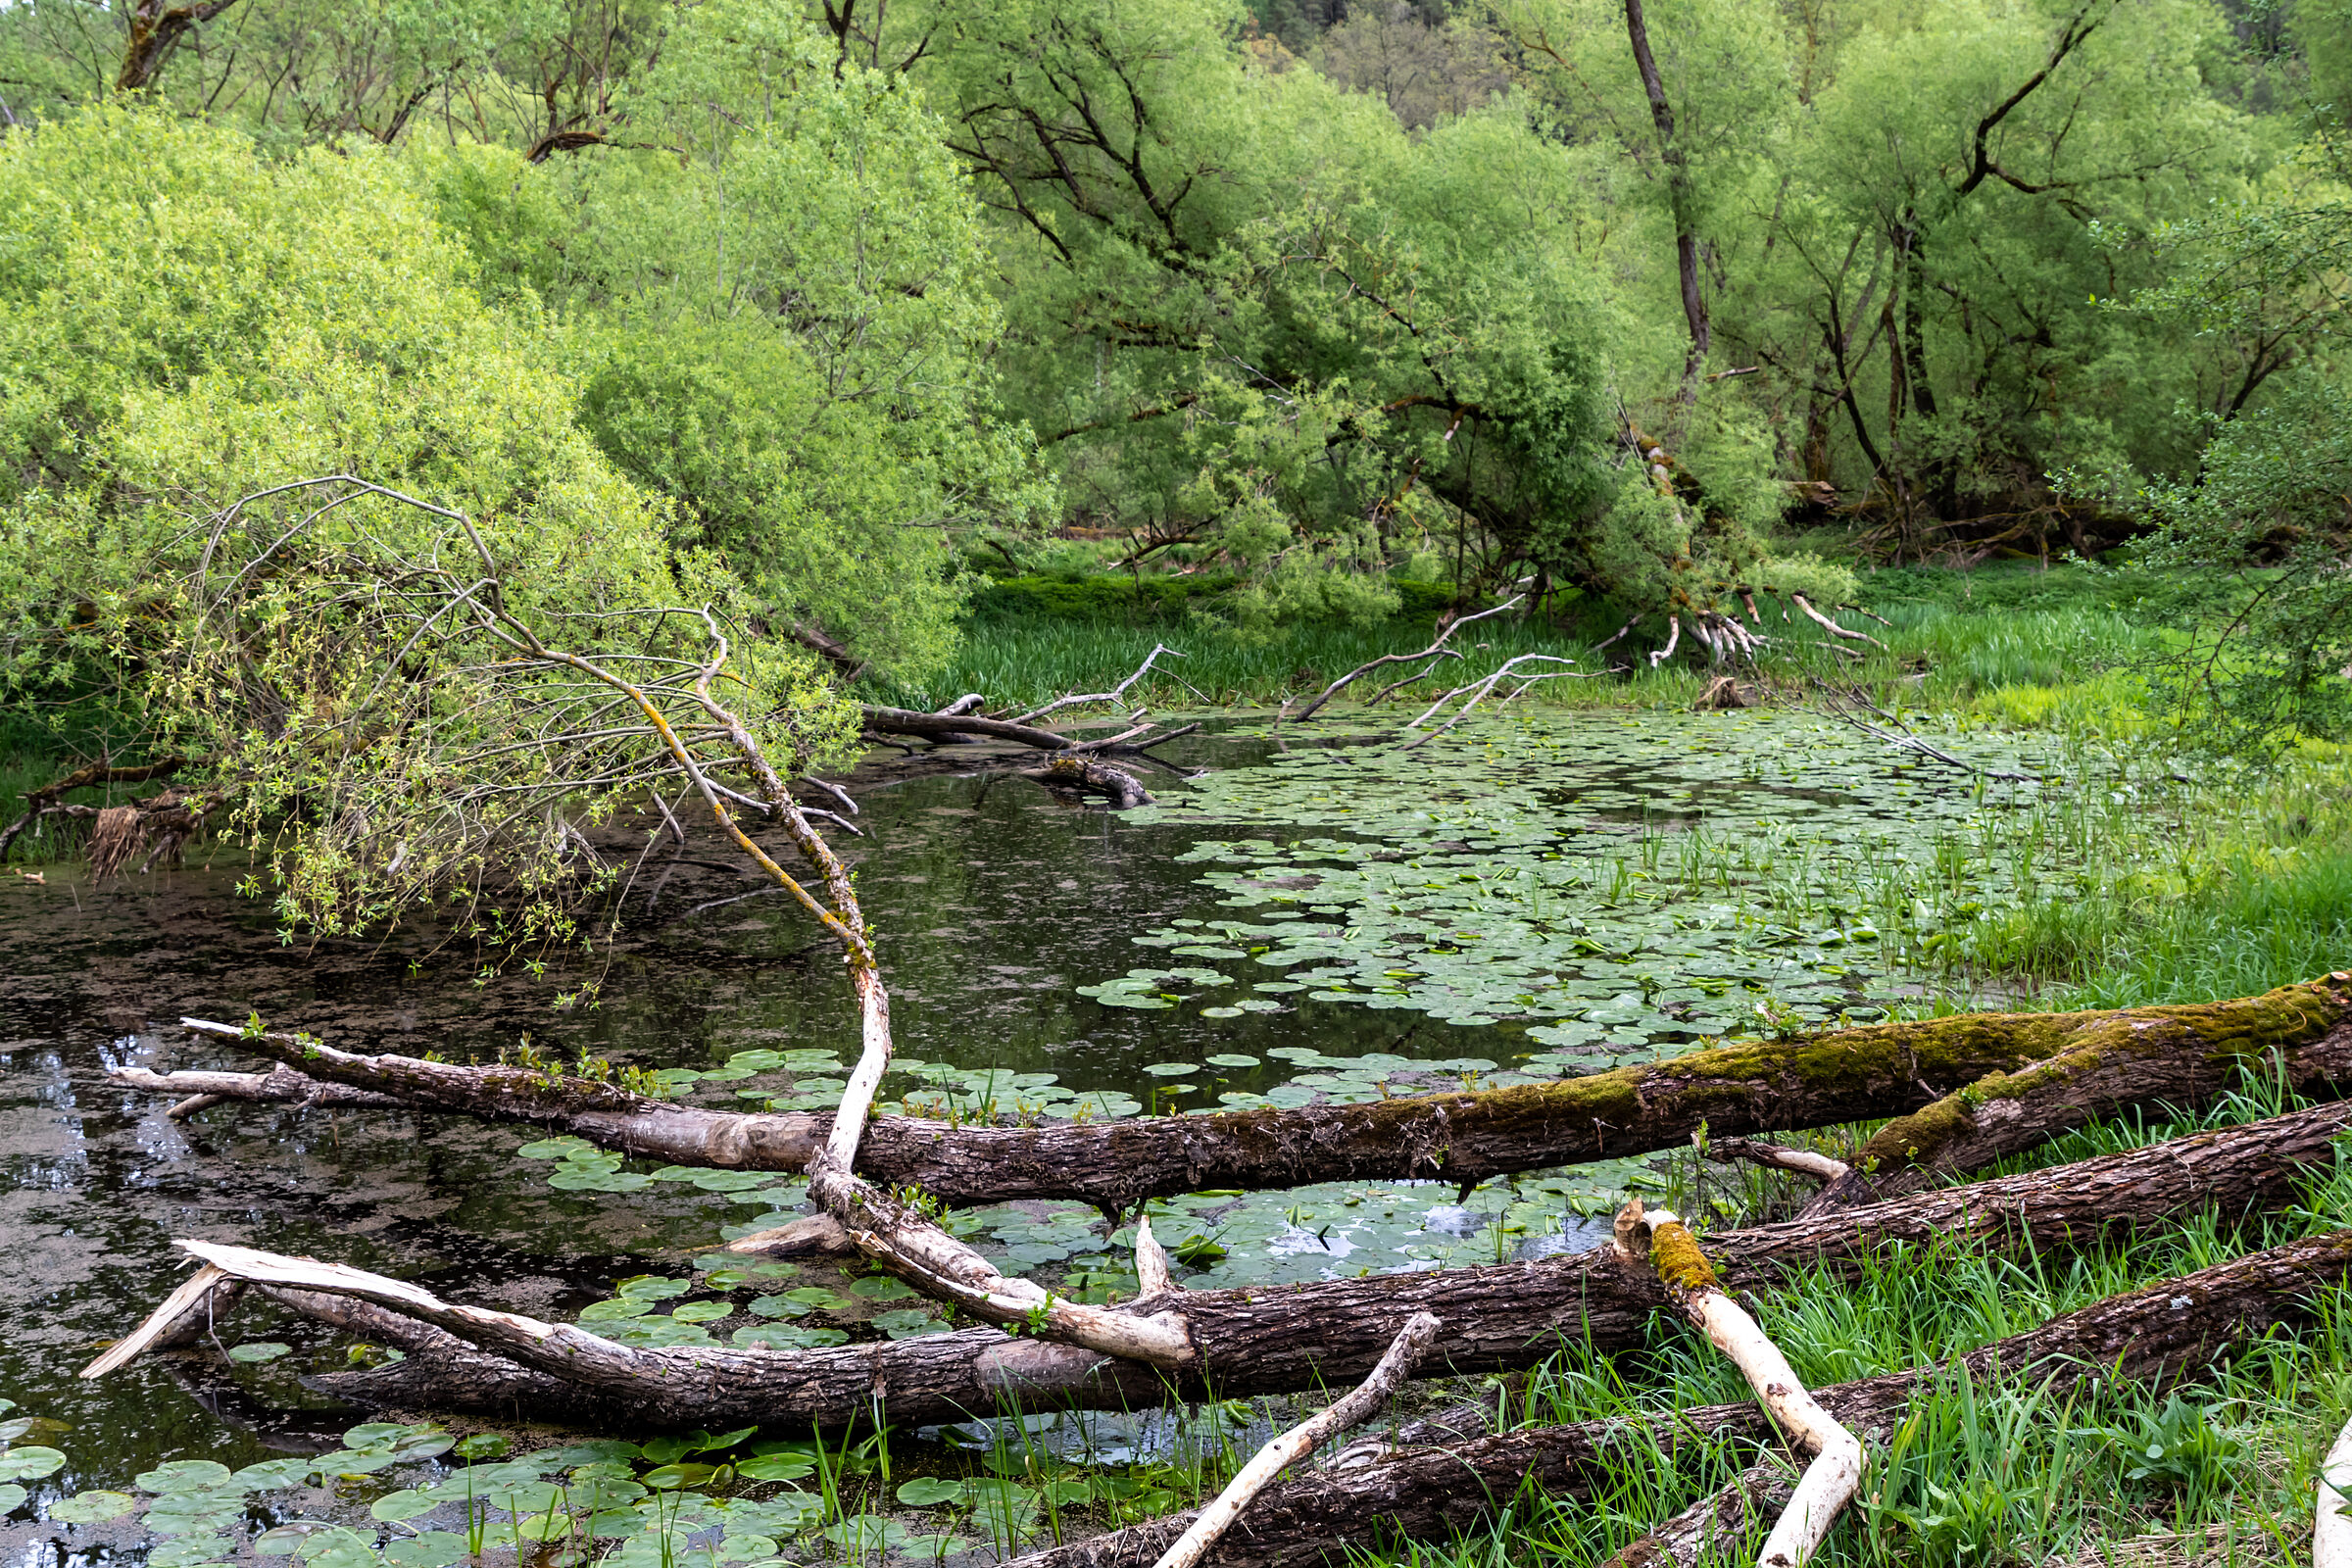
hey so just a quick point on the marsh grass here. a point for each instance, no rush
(1986, 1472)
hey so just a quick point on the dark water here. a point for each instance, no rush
(993, 899)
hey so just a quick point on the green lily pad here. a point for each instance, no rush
(929, 1492)
(258, 1350)
(93, 1507)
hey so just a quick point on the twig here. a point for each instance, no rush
(1673, 635)
(1350, 1409)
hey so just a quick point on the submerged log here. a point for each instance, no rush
(2156, 1335)
(1266, 1340)
(2100, 1064)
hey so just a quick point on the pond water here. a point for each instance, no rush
(1310, 917)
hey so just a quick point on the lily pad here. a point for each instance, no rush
(258, 1350)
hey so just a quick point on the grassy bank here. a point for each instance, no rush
(2020, 647)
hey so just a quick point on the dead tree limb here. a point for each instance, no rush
(1831, 626)
(44, 800)
(1349, 1411)
(1112, 696)
(1083, 775)
(1436, 650)
(934, 726)
(2100, 1064)
(279, 1085)
(1284, 1338)
(2331, 1526)
(1829, 1481)
(2157, 1335)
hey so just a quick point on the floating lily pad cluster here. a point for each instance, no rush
(1627, 885)
(657, 1309)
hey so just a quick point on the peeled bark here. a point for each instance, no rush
(2097, 1064)
(2155, 1335)
(1828, 1485)
(1267, 1340)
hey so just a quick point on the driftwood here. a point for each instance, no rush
(1345, 1413)
(1083, 775)
(1266, 1340)
(2156, 1335)
(1973, 1076)
(1829, 1481)
(1448, 625)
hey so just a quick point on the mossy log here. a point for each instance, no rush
(2156, 1335)
(2032, 1075)
(1289, 1338)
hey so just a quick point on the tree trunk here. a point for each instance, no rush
(2154, 1335)
(2096, 1064)
(1266, 1340)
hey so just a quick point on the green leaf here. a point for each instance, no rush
(776, 1467)
(183, 1476)
(929, 1492)
(258, 1350)
(12, 1497)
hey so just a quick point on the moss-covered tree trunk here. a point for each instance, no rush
(1986, 1083)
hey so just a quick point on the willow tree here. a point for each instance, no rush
(234, 332)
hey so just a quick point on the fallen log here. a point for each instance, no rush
(1083, 775)
(1261, 1340)
(2156, 1335)
(2100, 1063)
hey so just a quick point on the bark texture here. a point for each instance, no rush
(2157, 1335)
(1286, 1339)
(2100, 1064)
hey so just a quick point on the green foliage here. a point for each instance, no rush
(782, 319)
(2267, 528)
(234, 325)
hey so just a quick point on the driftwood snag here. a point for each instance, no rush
(1989, 1083)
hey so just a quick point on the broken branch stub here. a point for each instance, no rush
(2062, 1070)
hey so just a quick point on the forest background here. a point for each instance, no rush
(883, 324)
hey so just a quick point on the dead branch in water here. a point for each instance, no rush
(1265, 1339)
(1448, 625)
